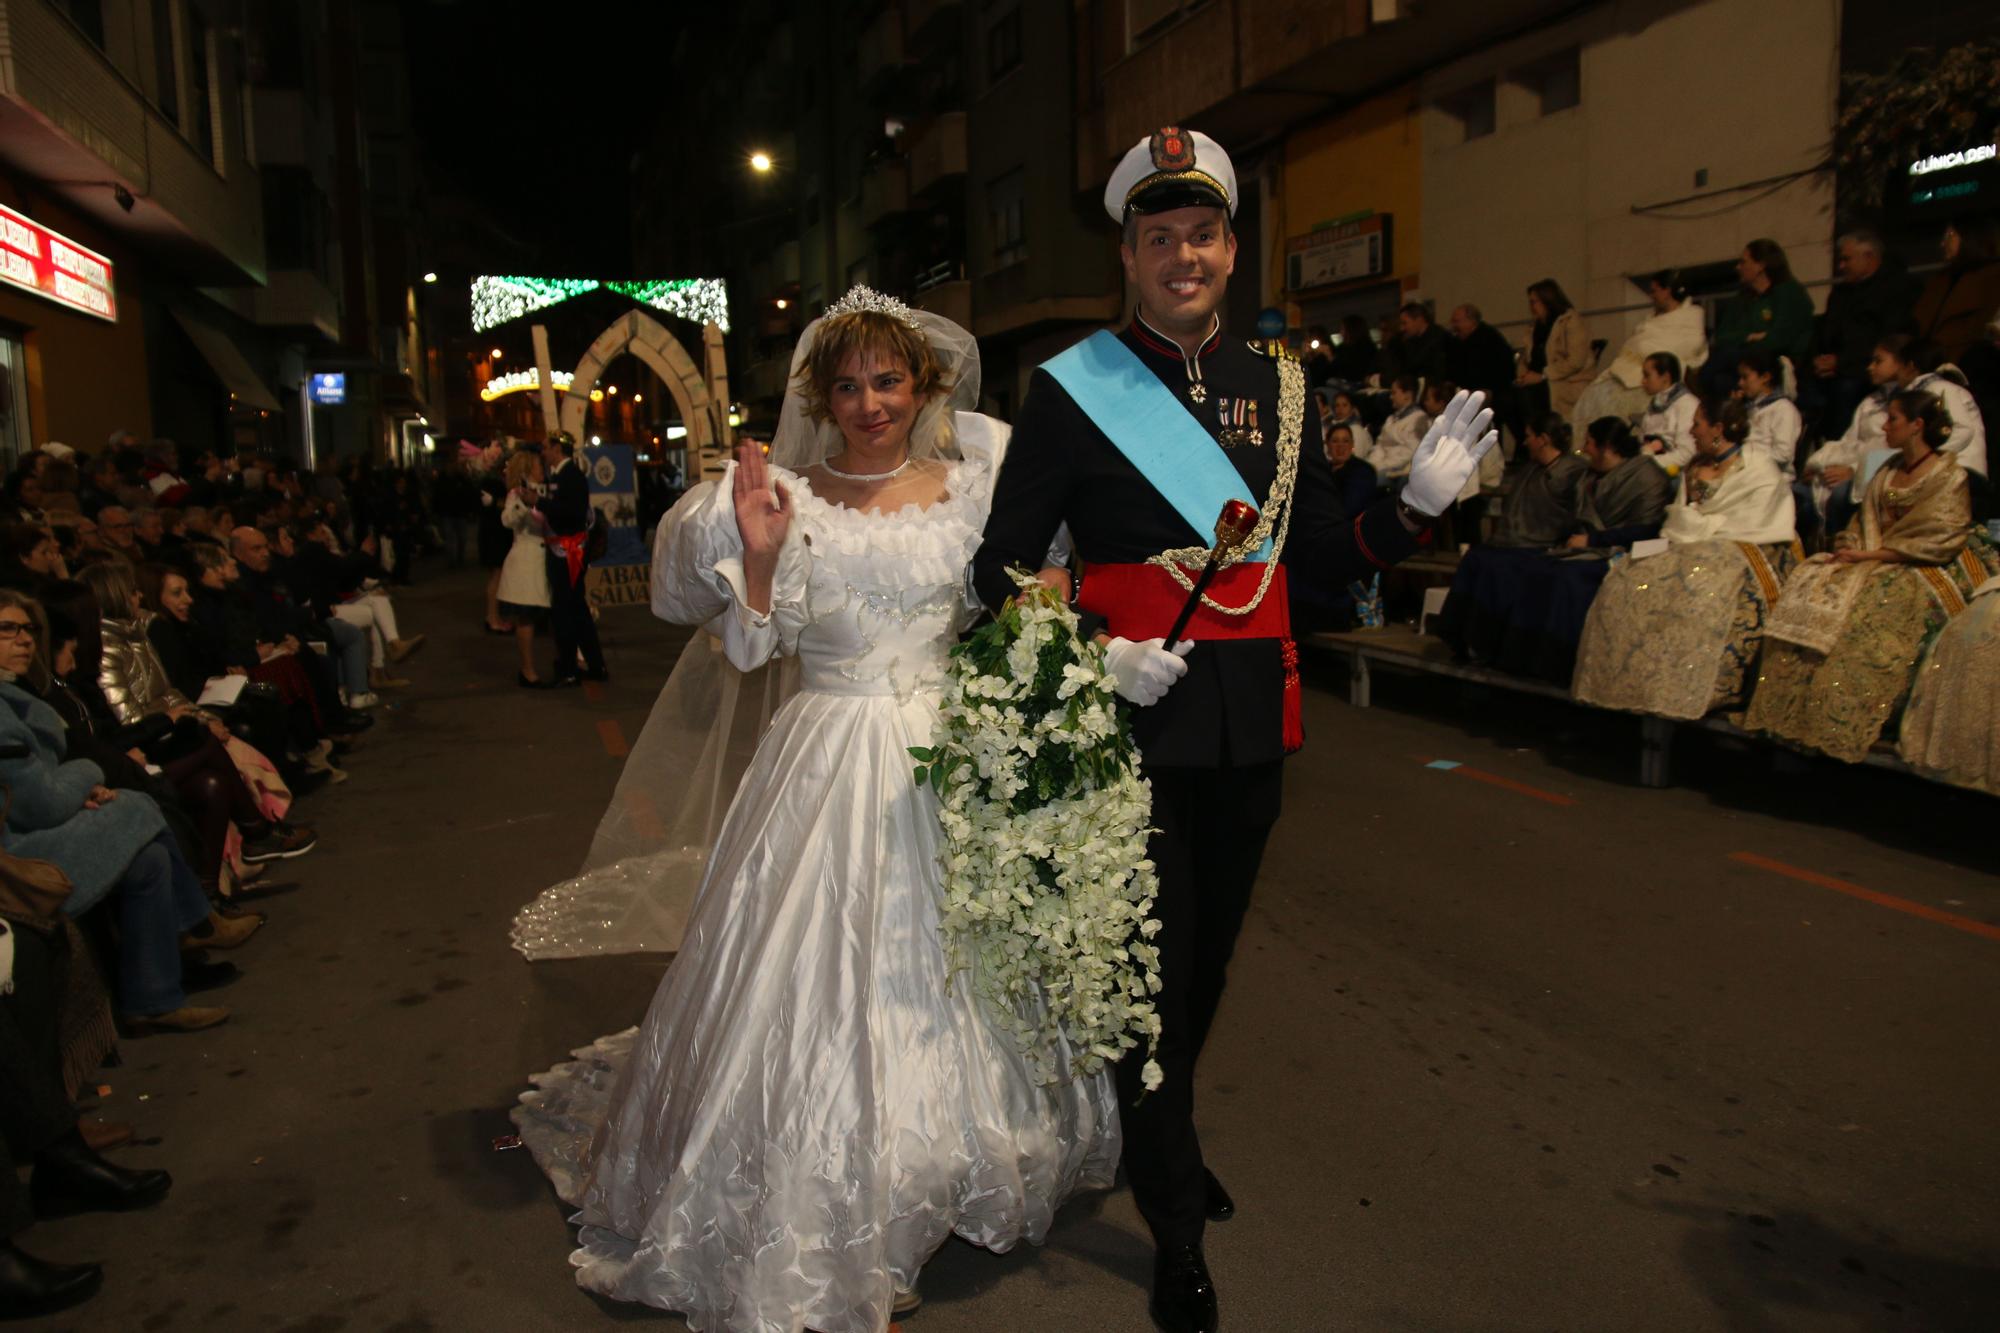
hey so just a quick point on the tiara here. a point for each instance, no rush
(862, 298)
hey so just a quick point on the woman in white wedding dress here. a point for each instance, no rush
(813, 1104)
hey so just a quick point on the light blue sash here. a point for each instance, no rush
(1157, 435)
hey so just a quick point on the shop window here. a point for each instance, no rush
(88, 16)
(1470, 110)
(1003, 43)
(14, 436)
(201, 80)
(1556, 81)
(166, 62)
(1006, 201)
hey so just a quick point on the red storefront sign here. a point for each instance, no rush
(51, 265)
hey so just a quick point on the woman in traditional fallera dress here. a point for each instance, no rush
(1676, 634)
(813, 1104)
(1846, 634)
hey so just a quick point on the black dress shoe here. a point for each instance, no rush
(568, 682)
(1183, 1294)
(1220, 1206)
(31, 1287)
(70, 1178)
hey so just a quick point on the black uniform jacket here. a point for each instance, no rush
(566, 507)
(1060, 468)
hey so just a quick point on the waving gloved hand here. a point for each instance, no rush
(1143, 672)
(1452, 448)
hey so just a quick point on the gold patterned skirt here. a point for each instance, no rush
(1676, 634)
(1840, 701)
(1951, 730)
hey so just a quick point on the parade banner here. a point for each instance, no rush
(620, 576)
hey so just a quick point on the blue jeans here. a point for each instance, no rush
(158, 899)
(350, 654)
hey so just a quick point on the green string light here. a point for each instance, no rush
(496, 300)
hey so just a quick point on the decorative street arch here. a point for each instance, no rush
(703, 403)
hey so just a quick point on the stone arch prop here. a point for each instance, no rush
(704, 412)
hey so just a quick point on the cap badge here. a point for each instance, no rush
(1172, 150)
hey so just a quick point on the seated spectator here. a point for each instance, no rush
(1354, 357)
(58, 477)
(1675, 327)
(1353, 480)
(1844, 639)
(1826, 483)
(1523, 611)
(1478, 356)
(230, 637)
(1396, 448)
(1542, 509)
(1676, 634)
(1871, 298)
(1338, 408)
(342, 680)
(149, 535)
(1666, 426)
(348, 588)
(22, 499)
(102, 479)
(1316, 357)
(1423, 348)
(1952, 729)
(1959, 301)
(112, 845)
(192, 746)
(1558, 363)
(29, 557)
(38, 1123)
(118, 531)
(1770, 311)
(1775, 423)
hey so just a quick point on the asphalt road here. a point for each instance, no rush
(1511, 1046)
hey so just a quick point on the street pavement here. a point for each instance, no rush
(1515, 1045)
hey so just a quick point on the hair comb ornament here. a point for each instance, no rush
(861, 299)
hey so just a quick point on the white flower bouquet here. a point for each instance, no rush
(1047, 890)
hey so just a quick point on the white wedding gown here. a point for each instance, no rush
(813, 1104)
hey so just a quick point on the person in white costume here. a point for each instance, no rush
(813, 1104)
(1666, 428)
(1675, 326)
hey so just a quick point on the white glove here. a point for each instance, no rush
(1451, 451)
(1143, 672)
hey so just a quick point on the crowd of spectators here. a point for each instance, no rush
(190, 646)
(1758, 465)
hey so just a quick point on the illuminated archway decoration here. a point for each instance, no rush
(703, 402)
(496, 300)
(523, 381)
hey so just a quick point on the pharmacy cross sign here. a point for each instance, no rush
(52, 266)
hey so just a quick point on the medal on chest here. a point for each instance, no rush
(1239, 423)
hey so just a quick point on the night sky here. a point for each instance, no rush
(495, 115)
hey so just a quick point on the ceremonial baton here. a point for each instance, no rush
(1232, 525)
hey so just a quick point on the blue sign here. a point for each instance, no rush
(614, 493)
(330, 390)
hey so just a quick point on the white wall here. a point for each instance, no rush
(1742, 88)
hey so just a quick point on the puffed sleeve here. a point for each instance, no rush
(698, 576)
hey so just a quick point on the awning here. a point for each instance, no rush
(226, 360)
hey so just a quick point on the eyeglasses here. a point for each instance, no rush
(14, 629)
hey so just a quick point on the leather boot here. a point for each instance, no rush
(31, 1286)
(70, 1178)
(1183, 1293)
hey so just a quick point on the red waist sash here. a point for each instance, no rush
(1141, 601)
(570, 548)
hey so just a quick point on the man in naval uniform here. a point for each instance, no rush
(1136, 440)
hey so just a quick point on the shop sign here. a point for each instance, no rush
(329, 389)
(1343, 252)
(51, 265)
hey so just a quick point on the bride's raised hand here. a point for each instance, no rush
(763, 509)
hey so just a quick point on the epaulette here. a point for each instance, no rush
(1273, 349)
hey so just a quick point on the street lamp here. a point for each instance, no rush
(430, 277)
(760, 162)
(496, 354)
(782, 303)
